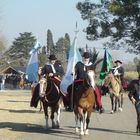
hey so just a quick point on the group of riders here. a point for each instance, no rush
(55, 71)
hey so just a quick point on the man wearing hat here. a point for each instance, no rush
(81, 67)
(52, 69)
(80, 72)
(134, 96)
(118, 71)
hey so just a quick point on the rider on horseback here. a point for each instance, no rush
(52, 69)
(118, 72)
(81, 70)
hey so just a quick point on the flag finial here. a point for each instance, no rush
(76, 30)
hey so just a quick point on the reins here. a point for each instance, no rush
(49, 92)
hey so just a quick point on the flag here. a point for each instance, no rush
(32, 67)
(74, 57)
(106, 66)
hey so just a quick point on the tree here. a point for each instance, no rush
(67, 42)
(18, 53)
(22, 45)
(42, 57)
(50, 44)
(137, 63)
(2, 46)
(117, 19)
(62, 48)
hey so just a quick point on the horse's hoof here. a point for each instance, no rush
(86, 132)
(138, 131)
(46, 127)
(82, 133)
(57, 126)
(120, 109)
(53, 127)
(112, 112)
(76, 130)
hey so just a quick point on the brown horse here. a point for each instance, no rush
(83, 100)
(50, 97)
(114, 87)
(22, 82)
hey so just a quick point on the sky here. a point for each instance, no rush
(37, 16)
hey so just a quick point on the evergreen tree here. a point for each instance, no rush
(2, 46)
(50, 44)
(18, 53)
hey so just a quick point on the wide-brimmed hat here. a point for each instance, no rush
(52, 57)
(86, 55)
(118, 61)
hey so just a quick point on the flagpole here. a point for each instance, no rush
(73, 69)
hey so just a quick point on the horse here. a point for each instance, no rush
(83, 102)
(22, 83)
(114, 87)
(50, 97)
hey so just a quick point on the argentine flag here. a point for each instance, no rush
(32, 67)
(74, 57)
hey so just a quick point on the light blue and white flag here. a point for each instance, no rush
(74, 57)
(32, 67)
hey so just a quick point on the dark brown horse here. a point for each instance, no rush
(114, 87)
(51, 98)
(84, 100)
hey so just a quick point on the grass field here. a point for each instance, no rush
(130, 75)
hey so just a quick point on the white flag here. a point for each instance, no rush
(74, 57)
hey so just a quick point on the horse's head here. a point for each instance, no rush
(107, 81)
(89, 79)
(91, 75)
(43, 86)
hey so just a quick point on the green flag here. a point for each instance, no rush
(106, 66)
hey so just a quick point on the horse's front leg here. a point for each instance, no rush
(81, 125)
(120, 102)
(76, 123)
(76, 119)
(87, 121)
(81, 116)
(52, 117)
(58, 117)
(121, 99)
(112, 103)
(116, 101)
(45, 107)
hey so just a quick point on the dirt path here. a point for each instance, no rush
(18, 121)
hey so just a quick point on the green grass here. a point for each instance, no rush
(131, 75)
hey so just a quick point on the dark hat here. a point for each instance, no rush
(86, 55)
(52, 57)
(118, 61)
